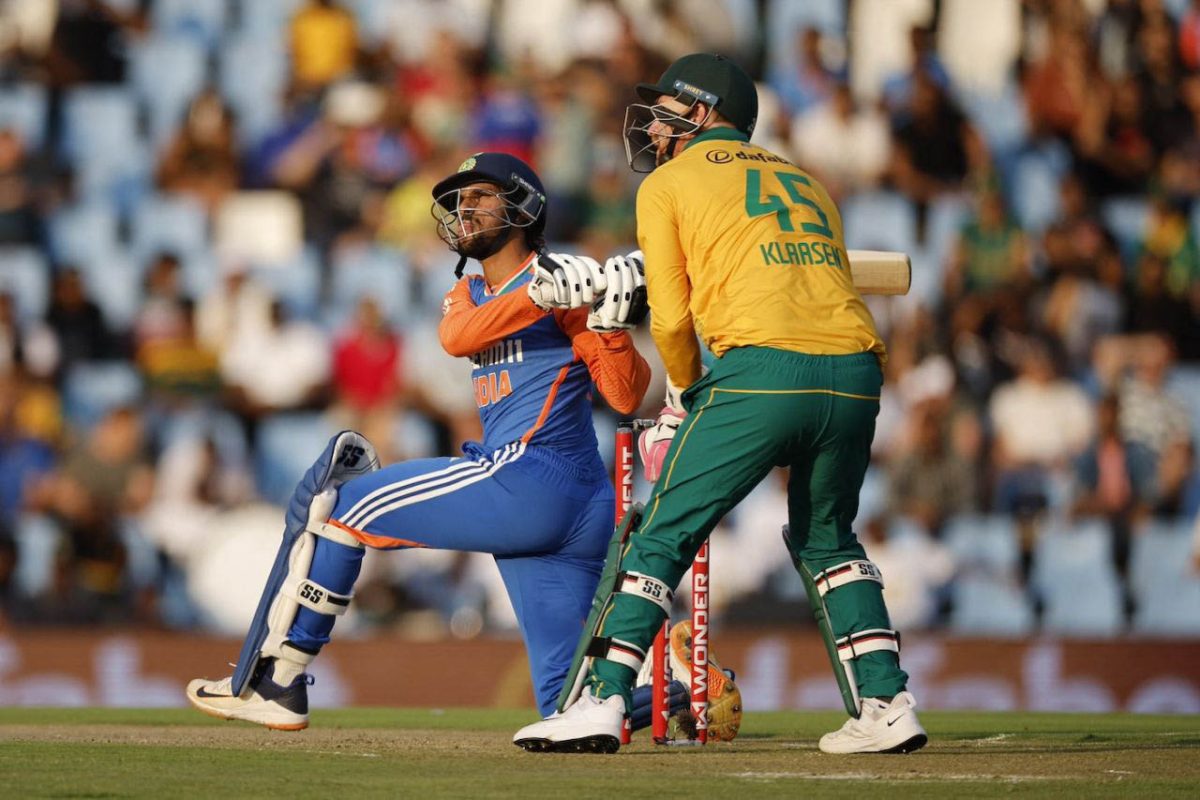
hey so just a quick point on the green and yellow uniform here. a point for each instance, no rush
(746, 250)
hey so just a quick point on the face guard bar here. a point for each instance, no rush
(520, 207)
(641, 151)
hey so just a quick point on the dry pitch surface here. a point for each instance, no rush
(101, 753)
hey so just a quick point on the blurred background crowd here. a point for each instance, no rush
(216, 249)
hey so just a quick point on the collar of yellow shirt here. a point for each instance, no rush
(719, 134)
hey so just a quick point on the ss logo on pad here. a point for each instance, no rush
(311, 593)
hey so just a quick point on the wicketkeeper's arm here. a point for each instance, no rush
(667, 285)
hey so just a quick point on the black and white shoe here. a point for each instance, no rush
(589, 725)
(882, 727)
(263, 702)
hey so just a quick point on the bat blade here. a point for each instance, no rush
(880, 272)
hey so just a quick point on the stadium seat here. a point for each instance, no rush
(296, 282)
(784, 19)
(1184, 385)
(25, 275)
(251, 75)
(202, 21)
(23, 109)
(167, 72)
(879, 221)
(287, 445)
(80, 234)
(381, 272)
(1160, 557)
(102, 140)
(1000, 118)
(91, 390)
(1035, 191)
(258, 228)
(1174, 615)
(114, 281)
(1084, 605)
(990, 606)
(982, 544)
(39, 541)
(1069, 551)
(1126, 218)
(168, 222)
(263, 17)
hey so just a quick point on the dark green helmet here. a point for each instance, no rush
(710, 79)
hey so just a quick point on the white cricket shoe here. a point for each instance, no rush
(264, 702)
(589, 725)
(881, 728)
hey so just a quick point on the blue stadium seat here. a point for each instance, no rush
(202, 21)
(1126, 218)
(1068, 551)
(989, 606)
(91, 390)
(381, 272)
(167, 72)
(1184, 384)
(23, 108)
(287, 445)
(879, 221)
(1174, 615)
(1035, 191)
(984, 544)
(99, 124)
(25, 275)
(1160, 557)
(39, 540)
(114, 281)
(251, 74)
(266, 16)
(171, 222)
(102, 140)
(81, 233)
(1001, 119)
(946, 217)
(1084, 605)
(297, 283)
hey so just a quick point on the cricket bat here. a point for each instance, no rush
(874, 272)
(880, 271)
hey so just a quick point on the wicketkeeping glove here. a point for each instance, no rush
(565, 281)
(621, 299)
(655, 441)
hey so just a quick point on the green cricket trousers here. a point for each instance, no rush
(760, 408)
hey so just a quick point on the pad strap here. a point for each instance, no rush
(849, 572)
(618, 651)
(647, 588)
(335, 534)
(860, 643)
(311, 594)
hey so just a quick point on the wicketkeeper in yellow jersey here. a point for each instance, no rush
(744, 249)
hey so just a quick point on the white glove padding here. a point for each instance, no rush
(623, 303)
(565, 281)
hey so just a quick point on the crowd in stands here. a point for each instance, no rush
(216, 249)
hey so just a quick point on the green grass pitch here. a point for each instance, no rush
(106, 753)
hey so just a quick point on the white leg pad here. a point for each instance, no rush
(298, 590)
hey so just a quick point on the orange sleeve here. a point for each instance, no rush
(466, 328)
(620, 372)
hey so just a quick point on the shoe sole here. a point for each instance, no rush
(909, 746)
(229, 717)
(601, 743)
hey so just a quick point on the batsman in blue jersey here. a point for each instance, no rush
(534, 492)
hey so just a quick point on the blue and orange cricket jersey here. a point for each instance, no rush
(533, 371)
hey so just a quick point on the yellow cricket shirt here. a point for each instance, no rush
(744, 248)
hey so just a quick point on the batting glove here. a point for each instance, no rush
(621, 301)
(565, 281)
